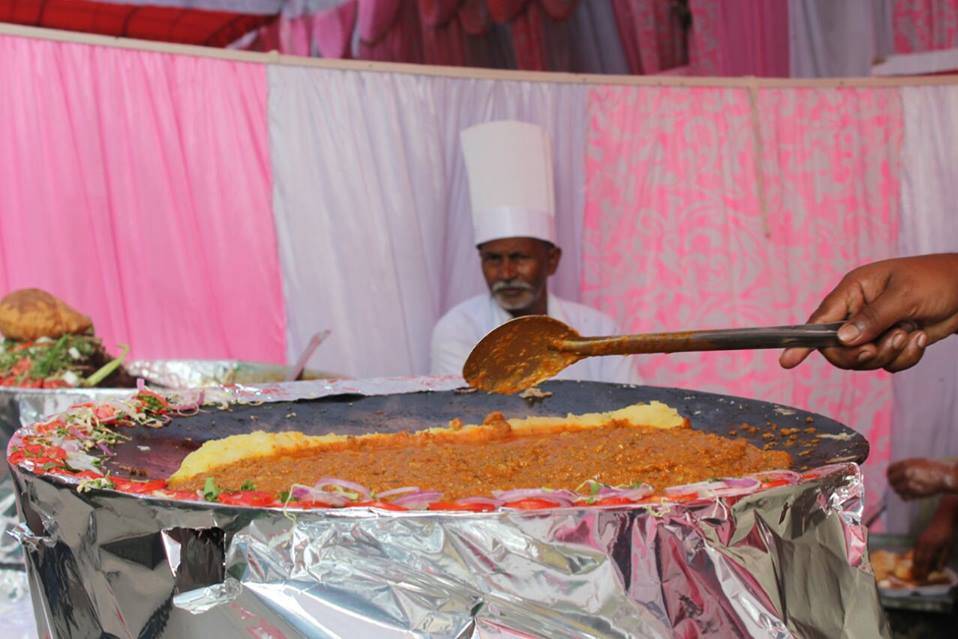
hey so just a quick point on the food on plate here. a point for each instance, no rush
(47, 344)
(647, 444)
(893, 570)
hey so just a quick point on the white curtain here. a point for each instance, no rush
(925, 421)
(372, 207)
(838, 39)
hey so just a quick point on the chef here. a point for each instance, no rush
(509, 165)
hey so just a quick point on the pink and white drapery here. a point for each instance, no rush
(710, 207)
(152, 190)
(372, 205)
(926, 396)
(925, 25)
(138, 186)
(774, 38)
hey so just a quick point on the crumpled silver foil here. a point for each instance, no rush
(194, 373)
(786, 562)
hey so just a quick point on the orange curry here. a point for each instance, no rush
(496, 458)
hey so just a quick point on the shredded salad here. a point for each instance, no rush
(74, 444)
(64, 362)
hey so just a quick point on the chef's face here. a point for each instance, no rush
(516, 270)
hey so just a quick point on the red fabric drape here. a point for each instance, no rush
(739, 37)
(652, 35)
(475, 17)
(503, 11)
(389, 30)
(166, 24)
(528, 39)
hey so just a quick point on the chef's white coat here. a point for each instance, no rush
(459, 330)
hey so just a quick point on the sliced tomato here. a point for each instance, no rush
(152, 401)
(61, 471)
(531, 503)
(382, 505)
(138, 487)
(248, 498)
(21, 367)
(104, 412)
(38, 454)
(614, 501)
(308, 504)
(55, 452)
(773, 483)
(50, 426)
(55, 383)
(471, 507)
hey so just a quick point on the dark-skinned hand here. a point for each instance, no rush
(934, 544)
(892, 311)
(920, 477)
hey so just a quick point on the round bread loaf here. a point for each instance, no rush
(30, 313)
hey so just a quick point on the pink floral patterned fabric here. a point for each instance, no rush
(694, 221)
(924, 25)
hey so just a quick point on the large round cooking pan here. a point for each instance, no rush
(812, 440)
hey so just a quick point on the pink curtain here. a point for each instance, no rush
(694, 221)
(924, 25)
(332, 30)
(739, 37)
(295, 35)
(137, 186)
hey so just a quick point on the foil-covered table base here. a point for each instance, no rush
(786, 562)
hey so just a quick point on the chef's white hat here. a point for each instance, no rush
(509, 165)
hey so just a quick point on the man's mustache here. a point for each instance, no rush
(504, 284)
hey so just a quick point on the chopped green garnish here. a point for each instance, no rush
(47, 358)
(91, 484)
(286, 497)
(211, 491)
(248, 485)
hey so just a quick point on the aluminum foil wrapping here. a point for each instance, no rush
(19, 406)
(789, 561)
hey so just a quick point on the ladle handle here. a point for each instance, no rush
(808, 335)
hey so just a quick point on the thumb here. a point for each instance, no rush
(873, 319)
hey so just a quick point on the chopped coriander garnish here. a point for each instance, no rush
(211, 491)
(247, 485)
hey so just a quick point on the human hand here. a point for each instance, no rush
(892, 310)
(933, 546)
(921, 477)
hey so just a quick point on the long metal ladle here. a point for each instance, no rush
(527, 350)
